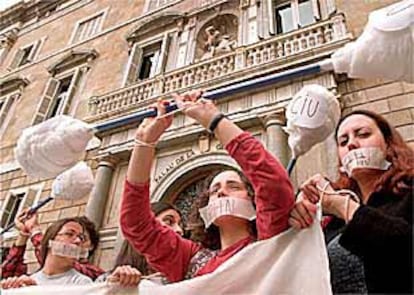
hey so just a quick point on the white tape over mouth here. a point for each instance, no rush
(68, 250)
(232, 206)
(367, 157)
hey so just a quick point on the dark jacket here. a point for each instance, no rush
(381, 234)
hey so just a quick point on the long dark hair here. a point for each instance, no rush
(52, 232)
(127, 255)
(399, 178)
(210, 237)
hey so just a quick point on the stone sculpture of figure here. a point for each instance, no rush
(216, 43)
(211, 42)
(225, 45)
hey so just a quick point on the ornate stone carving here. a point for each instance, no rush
(217, 43)
(8, 38)
(217, 37)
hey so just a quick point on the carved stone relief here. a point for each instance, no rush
(217, 37)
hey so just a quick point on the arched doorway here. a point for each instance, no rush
(184, 183)
(186, 189)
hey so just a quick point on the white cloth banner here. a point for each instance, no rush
(294, 262)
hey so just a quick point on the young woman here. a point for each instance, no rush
(167, 251)
(61, 247)
(14, 264)
(373, 250)
(128, 258)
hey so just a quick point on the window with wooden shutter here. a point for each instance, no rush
(34, 50)
(16, 202)
(5, 106)
(328, 8)
(3, 53)
(164, 54)
(46, 102)
(74, 85)
(148, 60)
(58, 96)
(17, 58)
(25, 55)
(133, 64)
(11, 209)
(11, 90)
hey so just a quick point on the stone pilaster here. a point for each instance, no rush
(97, 201)
(277, 138)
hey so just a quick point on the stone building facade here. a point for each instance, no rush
(100, 59)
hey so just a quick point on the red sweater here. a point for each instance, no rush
(169, 253)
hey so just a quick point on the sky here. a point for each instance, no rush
(6, 3)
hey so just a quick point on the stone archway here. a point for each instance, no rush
(182, 185)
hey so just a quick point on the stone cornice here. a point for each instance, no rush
(24, 11)
(153, 22)
(72, 59)
(12, 83)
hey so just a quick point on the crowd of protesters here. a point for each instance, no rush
(368, 225)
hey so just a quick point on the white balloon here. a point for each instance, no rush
(312, 116)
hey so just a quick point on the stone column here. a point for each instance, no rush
(277, 138)
(97, 201)
(119, 241)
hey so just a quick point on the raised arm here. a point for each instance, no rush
(165, 250)
(274, 196)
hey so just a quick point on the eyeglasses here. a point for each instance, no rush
(72, 235)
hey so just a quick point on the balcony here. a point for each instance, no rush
(315, 41)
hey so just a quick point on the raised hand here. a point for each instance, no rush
(26, 223)
(151, 129)
(199, 109)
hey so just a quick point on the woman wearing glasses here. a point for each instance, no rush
(62, 246)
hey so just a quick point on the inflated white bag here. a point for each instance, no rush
(312, 116)
(75, 183)
(293, 262)
(386, 47)
(49, 148)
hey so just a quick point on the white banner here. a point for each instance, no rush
(294, 262)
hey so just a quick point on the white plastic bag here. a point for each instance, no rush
(75, 183)
(49, 148)
(386, 47)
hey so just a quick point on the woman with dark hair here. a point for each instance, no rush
(372, 207)
(61, 247)
(168, 215)
(210, 237)
(28, 227)
(230, 205)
